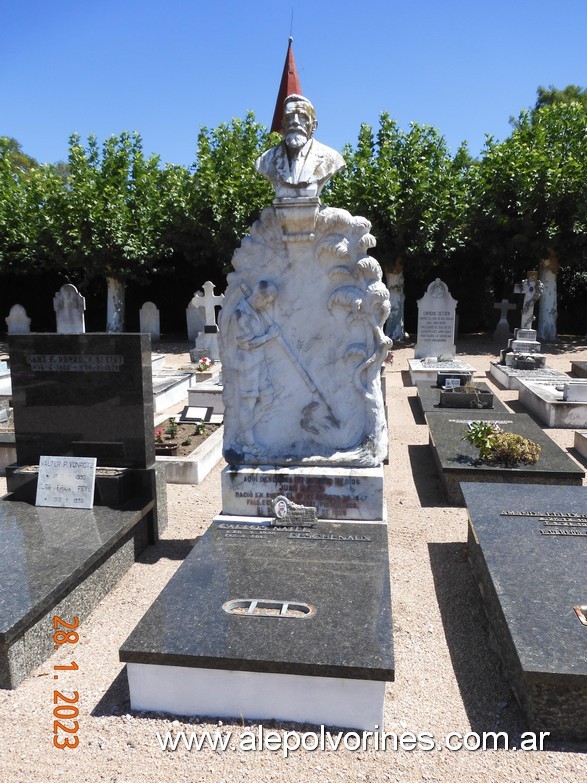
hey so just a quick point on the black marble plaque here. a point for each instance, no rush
(531, 579)
(85, 395)
(457, 461)
(429, 397)
(339, 570)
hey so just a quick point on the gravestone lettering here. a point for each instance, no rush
(66, 482)
(436, 322)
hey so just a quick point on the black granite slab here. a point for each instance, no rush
(456, 460)
(429, 397)
(87, 395)
(45, 551)
(579, 369)
(532, 572)
(339, 570)
(58, 562)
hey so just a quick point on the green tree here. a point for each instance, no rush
(227, 192)
(109, 214)
(414, 193)
(19, 160)
(530, 199)
(569, 94)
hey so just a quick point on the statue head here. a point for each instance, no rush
(263, 294)
(299, 121)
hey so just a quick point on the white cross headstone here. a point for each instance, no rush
(209, 301)
(17, 320)
(69, 306)
(502, 330)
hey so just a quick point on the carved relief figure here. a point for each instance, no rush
(253, 329)
(300, 165)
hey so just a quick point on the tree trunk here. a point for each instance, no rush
(115, 305)
(547, 313)
(394, 278)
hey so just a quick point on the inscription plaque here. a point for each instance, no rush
(66, 483)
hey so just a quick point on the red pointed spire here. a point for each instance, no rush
(290, 85)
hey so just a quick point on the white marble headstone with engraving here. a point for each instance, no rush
(436, 322)
(69, 306)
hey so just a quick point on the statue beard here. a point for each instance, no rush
(295, 141)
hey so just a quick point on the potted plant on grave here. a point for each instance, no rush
(166, 447)
(497, 447)
(470, 395)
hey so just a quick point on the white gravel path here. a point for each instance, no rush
(447, 680)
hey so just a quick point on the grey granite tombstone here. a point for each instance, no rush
(83, 395)
(74, 396)
(457, 460)
(290, 622)
(528, 550)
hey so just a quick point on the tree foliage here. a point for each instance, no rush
(227, 192)
(529, 191)
(411, 189)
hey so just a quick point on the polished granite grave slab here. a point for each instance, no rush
(429, 397)
(579, 369)
(56, 560)
(528, 550)
(456, 459)
(85, 395)
(335, 631)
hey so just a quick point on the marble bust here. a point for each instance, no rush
(300, 166)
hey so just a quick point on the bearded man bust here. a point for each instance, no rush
(300, 166)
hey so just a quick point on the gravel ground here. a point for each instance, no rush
(447, 679)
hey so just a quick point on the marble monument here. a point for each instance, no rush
(301, 330)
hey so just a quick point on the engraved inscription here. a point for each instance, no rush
(75, 362)
(341, 494)
(555, 523)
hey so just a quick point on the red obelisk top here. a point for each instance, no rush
(290, 85)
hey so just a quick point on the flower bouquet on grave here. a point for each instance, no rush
(204, 364)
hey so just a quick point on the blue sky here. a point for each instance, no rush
(168, 67)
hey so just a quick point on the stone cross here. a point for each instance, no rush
(532, 289)
(209, 301)
(502, 330)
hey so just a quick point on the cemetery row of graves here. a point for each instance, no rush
(87, 495)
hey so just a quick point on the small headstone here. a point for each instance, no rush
(18, 321)
(208, 341)
(436, 322)
(150, 321)
(69, 306)
(502, 330)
